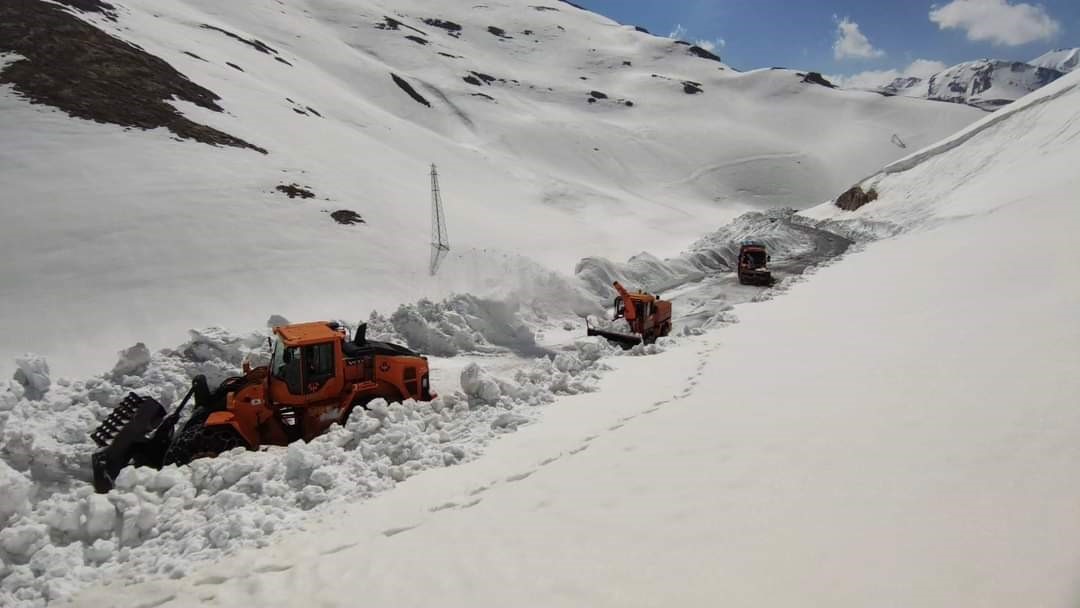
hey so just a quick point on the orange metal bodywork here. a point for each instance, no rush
(646, 313)
(257, 409)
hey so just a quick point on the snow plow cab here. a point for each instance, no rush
(316, 377)
(753, 264)
(647, 316)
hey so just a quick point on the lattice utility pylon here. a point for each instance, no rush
(439, 243)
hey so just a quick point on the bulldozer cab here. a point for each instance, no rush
(642, 307)
(304, 363)
(303, 369)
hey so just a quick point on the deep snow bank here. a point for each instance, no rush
(57, 535)
(793, 244)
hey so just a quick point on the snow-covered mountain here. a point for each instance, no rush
(986, 84)
(122, 224)
(1062, 60)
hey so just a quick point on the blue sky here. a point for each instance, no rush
(847, 37)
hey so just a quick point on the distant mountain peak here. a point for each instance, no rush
(984, 83)
(1062, 60)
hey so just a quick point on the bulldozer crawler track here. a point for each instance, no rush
(199, 441)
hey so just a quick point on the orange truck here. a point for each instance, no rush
(753, 264)
(316, 377)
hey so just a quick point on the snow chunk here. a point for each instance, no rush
(479, 386)
(21, 542)
(509, 421)
(100, 516)
(276, 321)
(33, 374)
(133, 361)
(14, 493)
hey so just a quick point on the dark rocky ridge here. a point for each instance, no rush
(71, 65)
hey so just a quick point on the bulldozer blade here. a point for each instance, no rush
(123, 435)
(626, 341)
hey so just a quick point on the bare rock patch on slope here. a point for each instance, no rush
(295, 191)
(92, 6)
(856, 197)
(817, 78)
(451, 28)
(408, 88)
(347, 217)
(258, 45)
(71, 65)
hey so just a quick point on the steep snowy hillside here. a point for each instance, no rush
(558, 133)
(1033, 138)
(899, 430)
(985, 84)
(1062, 60)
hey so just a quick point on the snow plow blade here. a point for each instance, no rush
(124, 436)
(626, 341)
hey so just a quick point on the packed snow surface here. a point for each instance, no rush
(558, 135)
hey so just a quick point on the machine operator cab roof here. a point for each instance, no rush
(319, 332)
(303, 334)
(752, 243)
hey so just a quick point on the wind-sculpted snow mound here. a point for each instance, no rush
(461, 324)
(57, 535)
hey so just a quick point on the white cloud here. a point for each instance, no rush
(872, 79)
(711, 45)
(924, 68)
(996, 21)
(852, 43)
(678, 33)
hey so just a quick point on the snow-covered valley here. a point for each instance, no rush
(894, 418)
(137, 237)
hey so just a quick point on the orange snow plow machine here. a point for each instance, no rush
(316, 377)
(753, 264)
(648, 316)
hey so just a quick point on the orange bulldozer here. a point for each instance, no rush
(316, 377)
(648, 316)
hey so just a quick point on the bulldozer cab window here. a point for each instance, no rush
(285, 365)
(318, 365)
(619, 308)
(304, 369)
(642, 309)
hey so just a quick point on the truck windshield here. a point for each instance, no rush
(754, 258)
